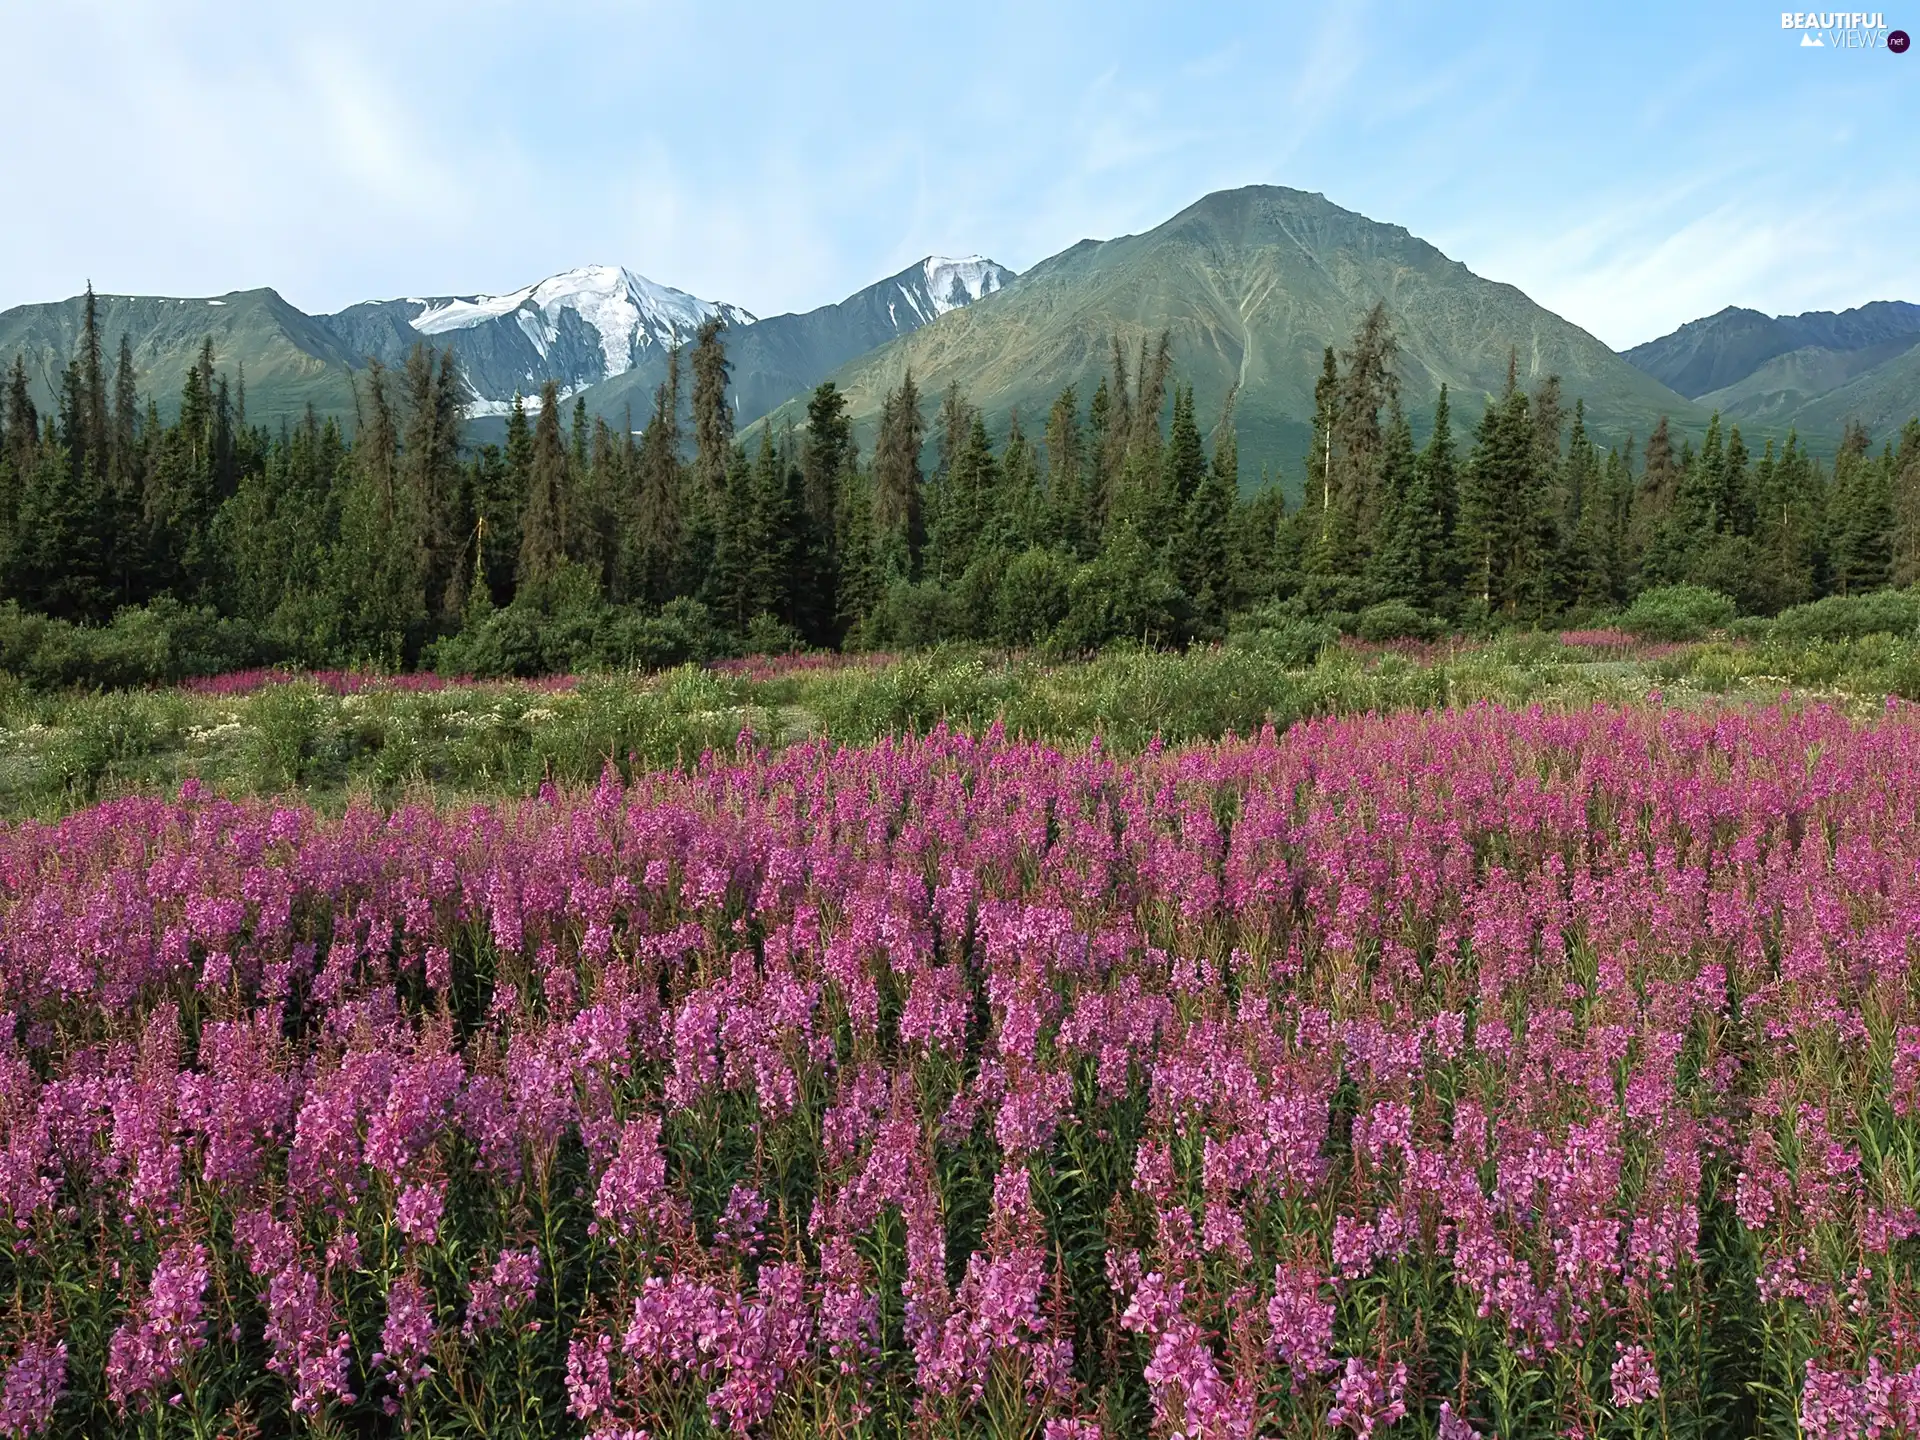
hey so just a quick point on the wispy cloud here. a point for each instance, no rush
(782, 156)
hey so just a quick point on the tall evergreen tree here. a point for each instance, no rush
(1860, 538)
(544, 527)
(1410, 555)
(1906, 506)
(1500, 505)
(898, 513)
(1070, 524)
(1206, 536)
(658, 526)
(431, 473)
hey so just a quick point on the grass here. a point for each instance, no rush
(468, 742)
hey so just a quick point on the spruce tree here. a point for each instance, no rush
(1409, 556)
(898, 513)
(827, 461)
(860, 579)
(657, 534)
(1318, 497)
(431, 473)
(1095, 480)
(1184, 463)
(544, 537)
(1786, 521)
(1206, 534)
(1906, 506)
(1020, 518)
(382, 562)
(1069, 524)
(1499, 506)
(1861, 532)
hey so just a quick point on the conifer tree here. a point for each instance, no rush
(1499, 506)
(657, 534)
(383, 561)
(1786, 522)
(770, 534)
(898, 514)
(1906, 506)
(1095, 478)
(1019, 517)
(1409, 557)
(1861, 535)
(826, 461)
(1206, 533)
(860, 579)
(1184, 463)
(544, 537)
(1069, 523)
(430, 471)
(1317, 509)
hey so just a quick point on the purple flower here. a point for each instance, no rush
(309, 1352)
(1636, 1379)
(417, 1212)
(168, 1326)
(511, 1284)
(35, 1381)
(406, 1339)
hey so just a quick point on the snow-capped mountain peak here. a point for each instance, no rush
(941, 283)
(627, 312)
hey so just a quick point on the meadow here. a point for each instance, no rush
(1517, 1039)
(333, 737)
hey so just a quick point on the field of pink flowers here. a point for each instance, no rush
(1471, 1073)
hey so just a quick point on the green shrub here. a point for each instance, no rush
(1677, 612)
(1282, 636)
(1034, 593)
(292, 729)
(156, 644)
(1395, 620)
(1847, 617)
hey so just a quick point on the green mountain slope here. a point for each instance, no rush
(1715, 353)
(1793, 387)
(1253, 284)
(289, 358)
(1883, 399)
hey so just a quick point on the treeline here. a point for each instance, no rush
(576, 544)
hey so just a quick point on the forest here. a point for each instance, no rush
(1122, 516)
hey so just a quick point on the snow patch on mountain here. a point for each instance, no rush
(627, 311)
(953, 283)
(941, 284)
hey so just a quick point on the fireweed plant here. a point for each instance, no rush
(1482, 1072)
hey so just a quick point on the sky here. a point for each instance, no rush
(1630, 166)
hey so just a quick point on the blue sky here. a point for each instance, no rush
(1630, 166)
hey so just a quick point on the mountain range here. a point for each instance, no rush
(1252, 285)
(1815, 371)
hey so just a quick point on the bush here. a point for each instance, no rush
(1033, 596)
(1280, 635)
(1125, 595)
(156, 644)
(1847, 617)
(911, 617)
(1395, 620)
(1677, 612)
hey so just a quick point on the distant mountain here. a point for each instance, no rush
(1253, 285)
(600, 331)
(579, 328)
(785, 356)
(1801, 370)
(1882, 399)
(288, 359)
